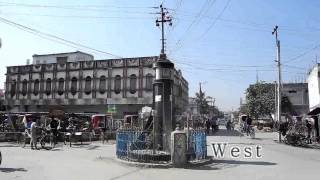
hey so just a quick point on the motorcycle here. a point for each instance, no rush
(229, 126)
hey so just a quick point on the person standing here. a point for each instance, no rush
(208, 126)
(54, 129)
(248, 125)
(309, 129)
(33, 131)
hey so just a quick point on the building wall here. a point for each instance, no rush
(298, 96)
(23, 96)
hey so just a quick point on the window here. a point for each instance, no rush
(24, 87)
(48, 86)
(102, 84)
(36, 87)
(62, 60)
(60, 86)
(117, 84)
(149, 81)
(13, 88)
(87, 85)
(292, 91)
(74, 84)
(133, 83)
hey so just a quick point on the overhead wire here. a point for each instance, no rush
(205, 8)
(215, 20)
(65, 41)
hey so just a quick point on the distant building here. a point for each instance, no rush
(61, 58)
(192, 106)
(297, 93)
(77, 83)
(2, 107)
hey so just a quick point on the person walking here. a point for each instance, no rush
(208, 126)
(54, 129)
(33, 132)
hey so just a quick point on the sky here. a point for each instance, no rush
(223, 44)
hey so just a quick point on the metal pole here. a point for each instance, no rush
(188, 131)
(162, 29)
(275, 31)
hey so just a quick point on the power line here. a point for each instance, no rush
(37, 32)
(72, 16)
(205, 7)
(215, 20)
(303, 54)
(224, 65)
(73, 7)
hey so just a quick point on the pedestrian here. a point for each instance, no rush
(54, 129)
(309, 129)
(208, 126)
(213, 124)
(248, 125)
(33, 131)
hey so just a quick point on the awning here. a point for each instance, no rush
(315, 111)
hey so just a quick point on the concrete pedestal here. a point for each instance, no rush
(178, 148)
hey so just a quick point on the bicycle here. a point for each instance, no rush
(251, 131)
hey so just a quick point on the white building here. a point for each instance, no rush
(314, 95)
(77, 83)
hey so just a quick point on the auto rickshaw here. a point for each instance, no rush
(131, 121)
(100, 124)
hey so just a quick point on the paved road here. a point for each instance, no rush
(97, 161)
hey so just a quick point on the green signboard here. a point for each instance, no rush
(112, 108)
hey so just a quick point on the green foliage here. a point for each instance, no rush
(260, 100)
(202, 102)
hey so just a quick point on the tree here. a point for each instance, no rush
(260, 100)
(202, 102)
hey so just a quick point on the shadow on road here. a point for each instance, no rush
(10, 170)
(224, 132)
(260, 163)
(223, 164)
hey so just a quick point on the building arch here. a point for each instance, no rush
(48, 86)
(133, 84)
(24, 87)
(149, 82)
(74, 85)
(117, 84)
(102, 84)
(60, 86)
(36, 87)
(87, 85)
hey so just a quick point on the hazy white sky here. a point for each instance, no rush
(225, 43)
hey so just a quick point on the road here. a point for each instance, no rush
(97, 161)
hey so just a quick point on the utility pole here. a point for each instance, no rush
(163, 19)
(164, 122)
(275, 32)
